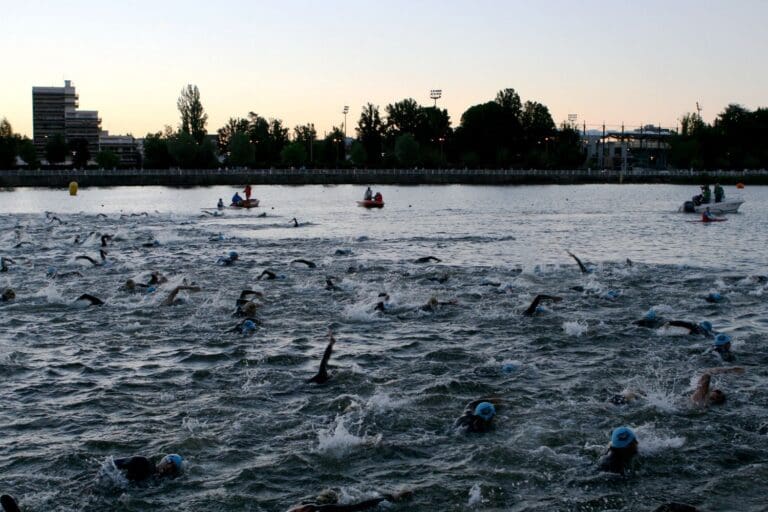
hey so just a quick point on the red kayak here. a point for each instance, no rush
(370, 203)
(708, 221)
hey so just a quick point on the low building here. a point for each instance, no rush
(126, 147)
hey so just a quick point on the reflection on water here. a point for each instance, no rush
(136, 377)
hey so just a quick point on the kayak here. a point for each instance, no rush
(249, 203)
(708, 221)
(369, 203)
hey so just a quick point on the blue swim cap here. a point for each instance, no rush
(715, 296)
(650, 315)
(485, 410)
(51, 271)
(612, 294)
(233, 255)
(175, 459)
(622, 437)
(721, 339)
(151, 289)
(248, 326)
(706, 325)
(508, 367)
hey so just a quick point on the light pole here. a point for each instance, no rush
(345, 111)
(435, 94)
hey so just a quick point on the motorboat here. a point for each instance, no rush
(727, 206)
(246, 203)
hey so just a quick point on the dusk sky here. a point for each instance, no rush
(302, 61)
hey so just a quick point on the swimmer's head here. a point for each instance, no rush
(622, 437)
(130, 284)
(485, 410)
(716, 397)
(432, 301)
(249, 308)
(233, 255)
(650, 315)
(248, 326)
(722, 340)
(715, 297)
(52, 271)
(706, 326)
(170, 465)
(8, 294)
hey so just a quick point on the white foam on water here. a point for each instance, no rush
(575, 328)
(382, 402)
(652, 441)
(50, 293)
(337, 441)
(110, 476)
(361, 313)
(475, 496)
(193, 425)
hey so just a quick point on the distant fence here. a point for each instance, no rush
(206, 177)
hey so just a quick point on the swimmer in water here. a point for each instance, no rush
(228, 260)
(7, 295)
(330, 285)
(714, 298)
(621, 453)
(172, 300)
(534, 307)
(433, 304)
(295, 222)
(322, 375)
(326, 503)
(4, 263)
(140, 469)
(627, 397)
(105, 239)
(308, 263)
(156, 277)
(478, 416)
(383, 304)
(584, 270)
(722, 346)
(703, 396)
(246, 326)
(9, 504)
(220, 204)
(102, 254)
(427, 259)
(87, 297)
(675, 507)
(270, 275)
(245, 306)
(702, 328)
(153, 243)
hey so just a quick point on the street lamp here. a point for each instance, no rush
(435, 94)
(345, 111)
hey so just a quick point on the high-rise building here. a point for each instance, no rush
(54, 111)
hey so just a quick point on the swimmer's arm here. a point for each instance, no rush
(719, 371)
(699, 396)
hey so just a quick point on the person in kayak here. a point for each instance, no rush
(719, 193)
(621, 453)
(236, 199)
(703, 396)
(478, 416)
(140, 469)
(368, 194)
(707, 216)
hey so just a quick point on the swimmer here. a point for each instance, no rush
(295, 222)
(330, 285)
(95, 263)
(270, 275)
(53, 273)
(621, 453)
(7, 295)
(326, 503)
(9, 504)
(533, 308)
(139, 469)
(156, 277)
(722, 346)
(703, 396)
(427, 259)
(627, 397)
(629, 263)
(245, 306)
(714, 298)
(4, 263)
(220, 204)
(308, 263)
(262, 215)
(171, 299)
(105, 239)
(322, 375)
(342, 252)
(383, 304)
(153, 243)
(702, 328)
(478, 416)
(52, 218)
(87, 297)
(584, 270)
(433, 304)
(440, 279)
(228, 260)
(246, 326)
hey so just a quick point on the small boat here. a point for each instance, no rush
(727, 206)
(370, 203)
(246, 203)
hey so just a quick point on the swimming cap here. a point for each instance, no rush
(721, 339)
(51, 271)
(508, 367)
(151, 289)
(485, 410)
(233, 255)
(706, 325)
(650, 315)
(248, 326)
(715, 296)
(612, 294)
(175, 459)
(622, 437)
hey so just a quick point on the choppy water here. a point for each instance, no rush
(134, 377)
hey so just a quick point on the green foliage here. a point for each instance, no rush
(183, 150)
(8, 146)
(407, 150)
(241, 151)
(81, 153)
(28, 153)
(107, 159)
(333, 147)
(226, 132)
(156, 154)
(305, 133)
(193, 116)
(5, 129)
(357, 154)
(369, 132)
(294, 154)
(56, 149)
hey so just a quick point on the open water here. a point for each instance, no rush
(81, 385)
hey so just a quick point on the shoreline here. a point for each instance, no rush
(210, 177)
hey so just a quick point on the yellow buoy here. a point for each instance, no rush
(73, 188)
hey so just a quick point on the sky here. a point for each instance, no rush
(301, 61)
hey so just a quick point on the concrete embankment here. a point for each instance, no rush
(207, 177)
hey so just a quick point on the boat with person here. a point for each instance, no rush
(370, 203)
(725, 206)
(246, 203)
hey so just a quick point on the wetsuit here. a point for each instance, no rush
(136, 468)
(473, 423)
(617, 460)
(692, 327)
(725, 354)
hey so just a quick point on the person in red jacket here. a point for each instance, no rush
(247, 191)
(378, 198)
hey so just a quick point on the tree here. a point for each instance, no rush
(28, 152)
(225, 133)
(193, 116)
(509, 100)
(404, 116)
(5, 129)
(369, 132)
(56, 149)
(278, 139)
(8, 145)
(294, 154)
(81, 153)
(107, 159)
(156, 154)
(357, 154)
(183, 150)
(406, 150)
(536, 122)
(241, 152)
(332, 147)
(305, 133)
